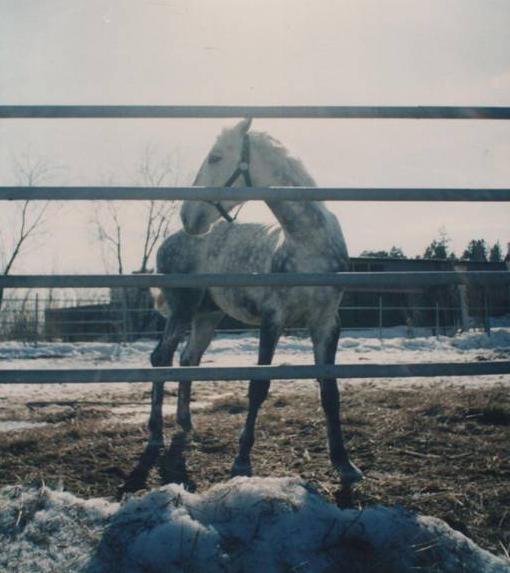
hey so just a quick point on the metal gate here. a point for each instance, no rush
(358, 280)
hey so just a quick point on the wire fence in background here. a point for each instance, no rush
(34, 319)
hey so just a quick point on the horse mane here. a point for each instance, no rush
(289, 170)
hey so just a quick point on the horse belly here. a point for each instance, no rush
(240, 303)
(303, 306)
(298, 306)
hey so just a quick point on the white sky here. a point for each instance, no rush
(336, 52)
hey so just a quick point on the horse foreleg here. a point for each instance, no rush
(183, 414)
(325, 342)
(202, 332)
(162, 355)
(270, 332)
(156, 415)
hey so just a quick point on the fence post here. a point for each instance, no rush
(36, 320)
(437, 319)
(486, 318)
(125, 315)
(380, 317)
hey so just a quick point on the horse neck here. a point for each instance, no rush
(312, 234)
(299, 219)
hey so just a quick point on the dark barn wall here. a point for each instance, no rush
(131, 315)
(80, 323)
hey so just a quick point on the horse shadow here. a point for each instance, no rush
(171, 466)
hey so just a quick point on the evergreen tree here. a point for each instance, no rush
(495, 255)
(436, 250)
(397, 253)
(394, 253)
(375, 254)
(439, 247)
(476, 251)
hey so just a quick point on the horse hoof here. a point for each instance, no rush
(240, 468)
(349, 473)
(155, 358)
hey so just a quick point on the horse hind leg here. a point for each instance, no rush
(325, 342)
(270, 332)
(202, 332)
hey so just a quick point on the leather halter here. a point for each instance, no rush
(242, 169)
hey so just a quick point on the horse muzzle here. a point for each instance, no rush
(195, 224)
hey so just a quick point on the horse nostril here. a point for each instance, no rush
(184, 219)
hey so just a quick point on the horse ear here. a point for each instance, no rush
(244, 125)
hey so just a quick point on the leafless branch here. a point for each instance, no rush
(151, 171)
(30, 218)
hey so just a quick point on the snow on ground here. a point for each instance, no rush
(13, 425)
(246, 524)
(242, 348)
(130, 401)
(261, 524)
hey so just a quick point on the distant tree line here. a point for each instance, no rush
(439, 248)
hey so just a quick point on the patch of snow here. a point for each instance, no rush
(13, 425)
(247, 524)
(241, 349)
(139, 414)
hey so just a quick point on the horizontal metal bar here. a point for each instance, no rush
(222, 111)
(85, 376)
(81, 321)
(110, 308)
(251, 194)
(371, 280)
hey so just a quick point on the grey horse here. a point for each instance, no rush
(307, 238)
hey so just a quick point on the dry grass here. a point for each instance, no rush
(441, 451)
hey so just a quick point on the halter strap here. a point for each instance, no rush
(242, 169)
(223, 212)
(244, 165)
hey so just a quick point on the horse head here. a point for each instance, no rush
(226, 165)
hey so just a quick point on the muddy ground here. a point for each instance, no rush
(439, 450)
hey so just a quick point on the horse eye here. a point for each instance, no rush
(214, 158)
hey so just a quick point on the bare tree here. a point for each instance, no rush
(154, 172)
(111, 221)
(27, 219)
(109, 234)
(110, 218)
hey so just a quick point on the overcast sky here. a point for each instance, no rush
(334, 52)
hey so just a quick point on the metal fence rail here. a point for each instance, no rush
(205, 373)
(346, 280)
(253, 194)
(257, 111)
(367, 281)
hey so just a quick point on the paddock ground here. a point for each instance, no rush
(438, 449)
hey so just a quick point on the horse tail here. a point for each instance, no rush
(160, 304)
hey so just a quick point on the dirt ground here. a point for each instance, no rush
(439, 450)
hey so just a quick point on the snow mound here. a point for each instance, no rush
(249, 525)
